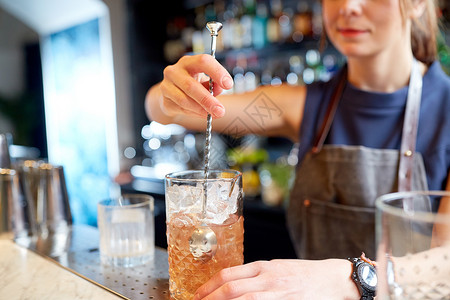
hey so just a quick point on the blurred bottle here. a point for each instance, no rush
(285, 25)
(197, 42)
(236, 31)
(317, 24)
(302, 21)
(249, 7)
(259, 28)
(273, 25)
(246, 27)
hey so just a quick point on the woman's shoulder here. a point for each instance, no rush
(436, 91)
(322, 89)
(436, 100)
(436, 79)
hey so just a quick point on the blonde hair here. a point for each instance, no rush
(424, 31)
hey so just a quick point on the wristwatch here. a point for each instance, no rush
(365, 276)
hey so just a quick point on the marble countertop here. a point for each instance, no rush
(27, 275)
(67, 265)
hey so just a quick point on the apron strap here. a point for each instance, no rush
(331, 110)
(410, 124)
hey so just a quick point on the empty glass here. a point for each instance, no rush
(413, 245)
(127, 231)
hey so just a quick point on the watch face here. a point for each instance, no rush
(368, 276)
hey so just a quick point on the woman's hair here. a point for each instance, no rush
(424, 31)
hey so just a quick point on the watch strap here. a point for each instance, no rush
(365, 293)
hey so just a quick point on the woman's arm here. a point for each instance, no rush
(183, 98)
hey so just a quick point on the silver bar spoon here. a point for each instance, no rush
(203, 241)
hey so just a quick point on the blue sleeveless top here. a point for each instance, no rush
(375, 120)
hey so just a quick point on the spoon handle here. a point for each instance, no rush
(214, 28)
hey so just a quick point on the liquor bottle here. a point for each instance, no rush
(317, 24)
(285, 25)
(246, 24)
(259, 28)
(273, 25)
(302, 21)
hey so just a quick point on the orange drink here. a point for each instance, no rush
(188, 273)
(185, 214)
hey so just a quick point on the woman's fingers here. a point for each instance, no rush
(207, 64)
(194, 90)
(282, 279)
(172, 106)
(204, 79)
(187, 86)
(176, 101)
(225, 277)
(237, 288)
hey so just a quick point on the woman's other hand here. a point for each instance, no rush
(283, 279)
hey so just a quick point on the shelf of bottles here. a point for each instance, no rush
(263, 42)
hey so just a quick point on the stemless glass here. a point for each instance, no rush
(127, 231)
(184, 213)
(413, 242)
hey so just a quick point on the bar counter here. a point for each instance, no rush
(68, 267)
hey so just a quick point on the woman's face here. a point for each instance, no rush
(361, 28)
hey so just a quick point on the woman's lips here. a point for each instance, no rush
(351, 32)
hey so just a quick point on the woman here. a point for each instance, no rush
(364, 133)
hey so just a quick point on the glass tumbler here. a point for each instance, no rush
(184, 193)
(413, 245)
(127, 231)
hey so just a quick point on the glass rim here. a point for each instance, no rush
(114, 201)
(382, 205)
(174, 175)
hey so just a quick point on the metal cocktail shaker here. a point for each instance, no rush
(53, 208)
(16, 208)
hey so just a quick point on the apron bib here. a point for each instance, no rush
(332, 206)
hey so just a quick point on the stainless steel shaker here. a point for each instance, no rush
(5, 157)
(16, 210)
(29, 174)
(53, 208)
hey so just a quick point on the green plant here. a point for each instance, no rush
(444, 53)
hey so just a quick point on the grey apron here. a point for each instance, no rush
(332, 206)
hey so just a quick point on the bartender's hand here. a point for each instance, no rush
(185, 87)
(283, 279)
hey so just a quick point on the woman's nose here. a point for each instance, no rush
(351, 7)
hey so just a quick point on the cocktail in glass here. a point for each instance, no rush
(185, 192)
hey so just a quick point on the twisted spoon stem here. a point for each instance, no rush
(214, 28)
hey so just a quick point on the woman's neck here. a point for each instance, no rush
(384, 75)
